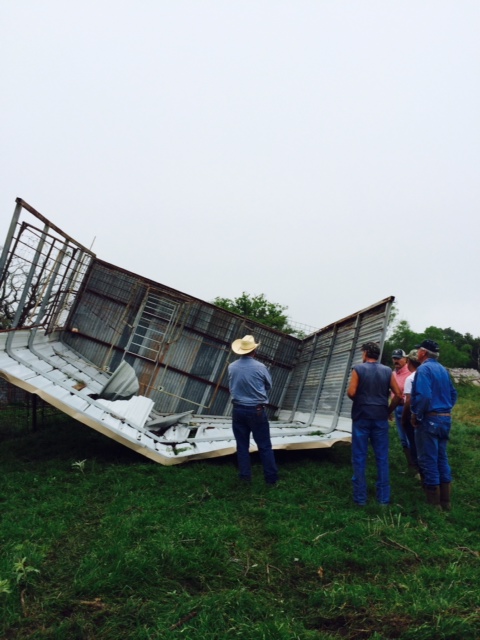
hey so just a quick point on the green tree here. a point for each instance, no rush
(455, 350)
(258, 308)
(402, 337)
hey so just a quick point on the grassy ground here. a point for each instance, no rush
(98, 543)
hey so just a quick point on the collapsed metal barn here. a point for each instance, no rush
(146, 365)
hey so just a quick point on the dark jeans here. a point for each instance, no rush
(253, 421)
(410, 433)
(400, 430)
(376, 432)
(431, 437)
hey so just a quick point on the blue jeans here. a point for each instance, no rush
(431, 438)
(253, 421)
(376, 432)
(401, 433)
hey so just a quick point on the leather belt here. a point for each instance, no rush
(434, 413)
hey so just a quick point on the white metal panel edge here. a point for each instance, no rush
(51, 371)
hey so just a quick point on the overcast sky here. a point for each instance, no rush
(324, 153)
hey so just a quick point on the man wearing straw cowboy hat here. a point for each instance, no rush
(249, 382)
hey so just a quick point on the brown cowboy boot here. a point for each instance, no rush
(445, 493)
(433, 496)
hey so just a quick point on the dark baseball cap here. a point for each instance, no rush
(398, 353)
(429, 345)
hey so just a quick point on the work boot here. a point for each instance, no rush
(445, 493)
(432, 493)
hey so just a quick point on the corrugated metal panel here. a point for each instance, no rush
(196, 344)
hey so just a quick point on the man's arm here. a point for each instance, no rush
(453, 393)
(268, 381)
(421, 395)
(353, 386)
(397, 395)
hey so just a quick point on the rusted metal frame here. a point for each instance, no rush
(11, 255)
(163, 346)
(53, 245)
(43, 234)
(48, 291)
(39, 275)
(38, 215)
(304, 379)
(346, 375)
(27, 284)
(39, 233)
(134, 326)
(166, 344)
(323, 376)
(80, 270)
(61, 289)
(9, 238)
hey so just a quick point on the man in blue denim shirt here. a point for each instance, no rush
(249, 382)
(432, 400)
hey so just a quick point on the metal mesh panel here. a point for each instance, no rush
(41, 272)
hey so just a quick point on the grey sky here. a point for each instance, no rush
(324, 153)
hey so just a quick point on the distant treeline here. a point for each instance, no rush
(456, 350)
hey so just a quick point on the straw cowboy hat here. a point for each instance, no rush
(244, 345)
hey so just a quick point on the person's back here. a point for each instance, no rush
(432, 390)
(249, 381)
(371, 398)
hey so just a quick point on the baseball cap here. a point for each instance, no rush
(429, 345)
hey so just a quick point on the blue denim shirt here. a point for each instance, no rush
(249, 381)
(432, 390)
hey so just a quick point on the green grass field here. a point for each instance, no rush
(99, 543)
